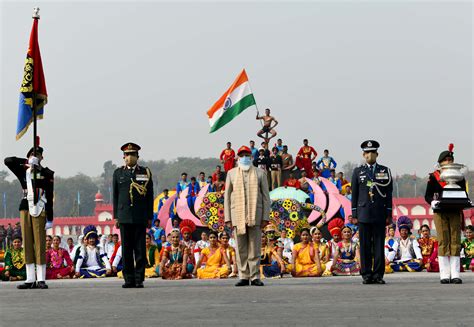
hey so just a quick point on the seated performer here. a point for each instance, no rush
(334, 227)
(306, 262)
(292, 182)
(152, 258)
(58, 262)
(267, 127)
(215, 260)
(306, 155)
(77, 249)
(49, 242)
(287, 246)
(200, 245)
(174, 259)
(408, 256)
(468, 249)
(224, 239)
(333, 179)
(325, 164)
(271, 263)
(157, 232)
(15, 268)
(390, 248)
(187, 228)
(161, 203)
(346, 262)
(429, 249)
(92, 261)
(193, 191)
(117, 264)
(321, 245)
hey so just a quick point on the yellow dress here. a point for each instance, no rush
(153, 254)
(215, 264)
(323, 254)
(304, 263)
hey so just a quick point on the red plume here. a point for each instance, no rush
(451, 147)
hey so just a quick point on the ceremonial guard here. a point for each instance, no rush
(133, 213)
(448, 221)
(372, 206)
(36, 215)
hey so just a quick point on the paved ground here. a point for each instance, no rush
(415, 299)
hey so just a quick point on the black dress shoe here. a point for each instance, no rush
(243, 282)
(367, 281)
(456, 281)
(26, 286)
(128, 285)
(379, 281)
(445, 281)
(139, 285)
(42, 285)
(257, 282)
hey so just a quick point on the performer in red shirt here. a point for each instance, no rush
(227, 157)
(306, 155)
(292, 182)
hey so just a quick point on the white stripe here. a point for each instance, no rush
(235, 96)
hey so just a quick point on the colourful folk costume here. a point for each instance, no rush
(15, 264)
(325, 164)
(173, 267)
(305, 265)
(228, 157)
(303, 159)
(188, 226)
(269, 266)
(390, 249)
(429, 251)
(92, 262)
(193, 191)
(152, 261)
(58, 264)
(408, 257)
(347, 263)
(468, 249)
(216, 266)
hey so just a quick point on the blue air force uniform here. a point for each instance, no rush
(372, 205)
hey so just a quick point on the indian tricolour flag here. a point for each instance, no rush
(235, 100)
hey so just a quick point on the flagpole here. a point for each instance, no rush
(35, 126)
(256, 107)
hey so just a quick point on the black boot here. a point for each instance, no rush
(445, 281)
(456, 281)
(242, 282)
(257, 282)
(26, 286)
(42, 285)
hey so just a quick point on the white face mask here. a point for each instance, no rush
(245, 163)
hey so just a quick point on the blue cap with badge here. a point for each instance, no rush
(370, 145)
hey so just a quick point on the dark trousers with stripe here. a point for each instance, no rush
(133, 252)
(372, 257)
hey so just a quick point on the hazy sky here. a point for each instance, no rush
(336, 73)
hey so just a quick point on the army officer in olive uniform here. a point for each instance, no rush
(133, 213)
(372, 205)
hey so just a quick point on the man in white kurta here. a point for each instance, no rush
(247, 209)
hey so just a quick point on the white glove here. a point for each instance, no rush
(49, 225)
(33, 161)
(434, 204)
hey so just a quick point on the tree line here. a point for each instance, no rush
(74, 196)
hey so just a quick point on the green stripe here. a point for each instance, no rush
(233, 112)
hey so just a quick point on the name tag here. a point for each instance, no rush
(142, 178)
